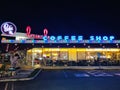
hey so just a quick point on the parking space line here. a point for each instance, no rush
(103, 75)
(117, 74)
(99, 74)
(12, 88)
(65, 74)
(81, 75)
(6, 86)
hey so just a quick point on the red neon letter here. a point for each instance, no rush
(28, 30)
(45, 32)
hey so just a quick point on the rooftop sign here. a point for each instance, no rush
(8, 28)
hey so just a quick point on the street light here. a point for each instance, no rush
(33, 44)
(74, 46)
(84, 44)
(42, 46)
(67, 44)
(117, 45)
(15, 44)
(88, 46)
(103, 46)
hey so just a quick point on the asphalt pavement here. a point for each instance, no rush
(69, 80)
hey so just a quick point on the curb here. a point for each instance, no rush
(21, 79)
(84, 67)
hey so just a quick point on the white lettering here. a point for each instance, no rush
(59, 37)
(73, 37)
(8, 28)
(98, 37)
(80, 37)
(66, 37)
(105, 38)
(112, 37)
(52, 38)
(92, 38)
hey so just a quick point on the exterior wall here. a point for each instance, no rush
(73, 54)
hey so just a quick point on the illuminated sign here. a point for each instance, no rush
(79, 38)
(102, 38)
(35, 36)
(45, 37)
(8, 28)
(60, 41)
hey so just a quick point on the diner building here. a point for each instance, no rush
(62, 48)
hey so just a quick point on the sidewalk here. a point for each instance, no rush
(22, 75)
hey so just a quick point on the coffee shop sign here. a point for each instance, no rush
(9, 29)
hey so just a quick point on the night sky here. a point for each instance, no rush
(63, 17)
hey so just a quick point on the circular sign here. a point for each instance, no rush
(8, 28)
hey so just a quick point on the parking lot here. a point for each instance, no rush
(72, 80)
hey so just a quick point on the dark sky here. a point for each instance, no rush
(63, 17)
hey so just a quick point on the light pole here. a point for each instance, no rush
(32, 55)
